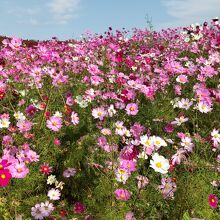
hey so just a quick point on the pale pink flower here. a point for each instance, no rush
(24, 126)
(19, 170)
(132, 109)
(54, 123)
(75, 118)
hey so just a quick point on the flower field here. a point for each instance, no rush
(120, 126)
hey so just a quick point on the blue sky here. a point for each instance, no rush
(65, 19)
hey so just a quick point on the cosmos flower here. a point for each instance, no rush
(132, 109)
(78, 207)
(19, 170)
(36, 212)
(46, 208)
(159, 163)
(69, 172)
(74, 118)
(5, 177)
(54, 194)
(213, 202)
(54, 123)
(122, 194)
(99, 113)
(45, 169)
(24, 126)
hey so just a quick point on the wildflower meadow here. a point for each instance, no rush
(119, 126)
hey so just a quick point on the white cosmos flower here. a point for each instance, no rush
(158, 142)
(159, 163)
(121, 175)
(215, 137)
(19, 116)
(204, 108)
(146, 141)
(4, 123)
(58, 114)
(185, 103)
(54, 194)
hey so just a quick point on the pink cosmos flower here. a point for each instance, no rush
(7, 140)
(122, 194)
(24, 126)
(19, 170)
(132, 109)
(54, 123)
(32, 156)
(178, 156)
(74, 118)
(182, 79)
(15, 43)
(93, 69)
(56, 141)
(69, 172)
(130, 216)
(99, 113)
(142, 181)
(69, 101)
(128, 165)
(213, 202)
(167, 187)
(137, 130)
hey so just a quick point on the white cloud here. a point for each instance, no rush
(63, 10)
(187, 12)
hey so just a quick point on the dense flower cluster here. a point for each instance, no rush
(130, 117)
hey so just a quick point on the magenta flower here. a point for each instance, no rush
(122, 194)
(78, 207)
(132, 109)
(169, 128)
(30, 110)
(24, 126)
(45, 169)
(213, 202)
(5, 177)
(54, 123)
(19, 170)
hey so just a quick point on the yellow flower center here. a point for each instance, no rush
(99, 114)
(132, 109)
(157, 142)
(18, 170)
(147, 142)
(3, 176)
(212, 200)
(158, 165)
(1, 166)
